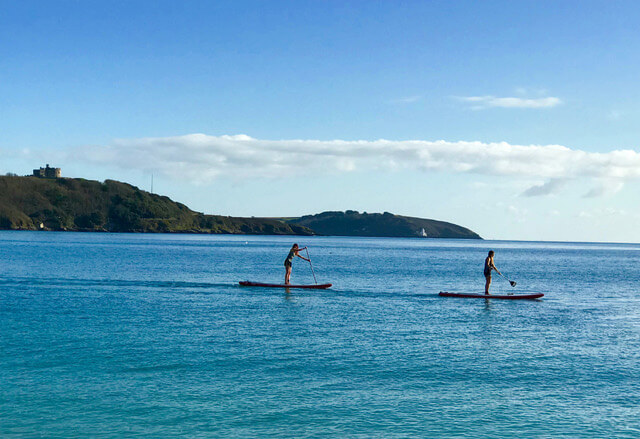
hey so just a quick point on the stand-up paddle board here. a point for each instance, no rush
(492, 296)
(246, 283)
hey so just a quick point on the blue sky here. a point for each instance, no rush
(516, 119)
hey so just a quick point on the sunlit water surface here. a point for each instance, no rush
(124, 335)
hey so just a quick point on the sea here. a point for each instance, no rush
(150, 335)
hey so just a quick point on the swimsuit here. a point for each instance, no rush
(289, 260)
(487, 268)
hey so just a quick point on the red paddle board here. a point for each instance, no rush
(492, 296)
(246, 283)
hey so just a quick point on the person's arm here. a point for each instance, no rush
(302, 257)
(492, 266)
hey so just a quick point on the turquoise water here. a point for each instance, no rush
(109, 335)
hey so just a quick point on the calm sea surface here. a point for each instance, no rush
(125, 335)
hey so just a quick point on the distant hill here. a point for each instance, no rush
(76, 204)
(352, 223)
(31, 203)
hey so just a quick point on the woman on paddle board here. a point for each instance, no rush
(488, 266)
(289, 261)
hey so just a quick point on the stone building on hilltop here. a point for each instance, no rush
(47, 172)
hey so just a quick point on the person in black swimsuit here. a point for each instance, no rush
(488, 266)
(289, 261)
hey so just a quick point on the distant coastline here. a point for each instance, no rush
(76, 204)
(353, 223)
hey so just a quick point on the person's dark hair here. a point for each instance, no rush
(491, 253)
(294, 245)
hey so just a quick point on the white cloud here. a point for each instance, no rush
(199, 157)
(605, 188)
(602, 213)
(550, 187)
(483, 102)
(407, 99)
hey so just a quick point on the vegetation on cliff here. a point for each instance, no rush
(352, 223)
(31, 203)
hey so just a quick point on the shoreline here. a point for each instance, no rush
(232, 234)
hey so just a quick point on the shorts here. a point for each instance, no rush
(287, 264)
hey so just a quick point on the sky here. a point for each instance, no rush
(516, 119)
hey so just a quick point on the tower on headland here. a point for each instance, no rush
(47, 172)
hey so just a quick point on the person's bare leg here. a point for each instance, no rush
(487, 284)
(287, 275)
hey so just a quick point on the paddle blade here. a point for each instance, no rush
(513, 284)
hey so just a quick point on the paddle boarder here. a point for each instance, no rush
(289, 261)
(488, 266)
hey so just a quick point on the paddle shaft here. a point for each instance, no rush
(513, 284)
(311, 265)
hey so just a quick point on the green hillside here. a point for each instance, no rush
(31, 203)
(75, 204)
(352, 223)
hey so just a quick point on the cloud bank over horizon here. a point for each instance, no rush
(201, 158)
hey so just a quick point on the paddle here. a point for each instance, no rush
(513, 284)
(311, 265)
